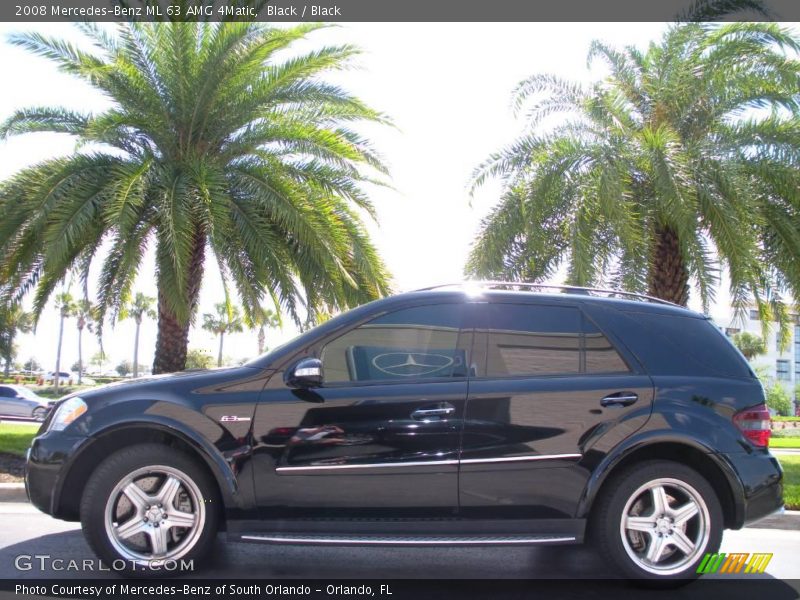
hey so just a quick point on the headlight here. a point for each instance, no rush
(67, 412)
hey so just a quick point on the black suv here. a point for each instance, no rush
(499, 414)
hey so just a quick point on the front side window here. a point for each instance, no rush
(410, 344)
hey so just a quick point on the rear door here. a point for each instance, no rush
(551, 393)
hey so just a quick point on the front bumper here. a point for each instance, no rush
(48, 460)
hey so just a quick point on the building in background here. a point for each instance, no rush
(782, 366)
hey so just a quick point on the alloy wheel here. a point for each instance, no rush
(665, 526)
(154, 514)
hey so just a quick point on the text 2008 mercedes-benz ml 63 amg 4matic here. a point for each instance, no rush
(495, 415)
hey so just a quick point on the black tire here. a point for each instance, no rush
(39, 414)
(624, 494)
(153, 465)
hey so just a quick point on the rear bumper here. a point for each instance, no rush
(762, 481)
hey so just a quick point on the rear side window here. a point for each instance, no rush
(533, 340)
(698, 340)
(601, 356)
(541, 340)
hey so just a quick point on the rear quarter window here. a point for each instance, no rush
(697, 340)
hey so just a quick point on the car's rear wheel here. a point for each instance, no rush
(149, 509)
(656, 521)
(39, 414)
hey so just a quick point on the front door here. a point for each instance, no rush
(380, 437)
(550, 391)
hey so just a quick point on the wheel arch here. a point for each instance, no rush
(713, 467)
(67, 496)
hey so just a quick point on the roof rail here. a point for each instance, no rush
(545, 287)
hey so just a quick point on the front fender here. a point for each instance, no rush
(221, 452)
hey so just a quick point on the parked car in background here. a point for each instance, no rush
(66, 378)
(19, 402)
(495, 415)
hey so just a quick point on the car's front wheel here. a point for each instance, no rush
(656, 521)
(150, 510)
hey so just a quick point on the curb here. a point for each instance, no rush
(13, 492)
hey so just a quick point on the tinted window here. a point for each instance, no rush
(7, 392)
(410, 344)
(697, 340)
(532, 340)
(601, 356)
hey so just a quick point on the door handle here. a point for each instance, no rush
(619, 399)
(443, 410)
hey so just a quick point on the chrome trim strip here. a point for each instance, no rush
(420, 463)
(399, 541)
(424, 463)
(474, 461)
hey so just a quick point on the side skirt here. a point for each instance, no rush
(433, 532)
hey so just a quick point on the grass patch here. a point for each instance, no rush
(784, 442)
(791, 481)
(15, 439)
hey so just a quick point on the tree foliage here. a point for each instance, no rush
(217, 144)
(680, 162)
(749, 344)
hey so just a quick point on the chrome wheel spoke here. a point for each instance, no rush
(685, 512)
(655, 549)
(169, 490)
(660, 500)
(158, 540)
(645, 524)
(177, 518)
(138, 497)
(131, 527)
(681, 542)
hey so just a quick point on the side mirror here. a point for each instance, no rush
(307, 373)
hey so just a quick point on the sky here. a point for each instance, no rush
(447, 89)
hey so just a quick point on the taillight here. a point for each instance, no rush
(754, 424)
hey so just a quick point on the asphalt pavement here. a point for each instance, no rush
(26, 532)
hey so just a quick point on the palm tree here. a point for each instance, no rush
(262, 319)
(749, 344)
(665, 171)
(13, 320)
(85, 313)
(226, 320)
(218, 144)
(66, 307)
(138, 309)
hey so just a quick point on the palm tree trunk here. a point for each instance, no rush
(7, 369)
(261, 340)
(173, 335)
(219, 354)
(80, 355)
(668, 276)
(56, 375)
(136, 350)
